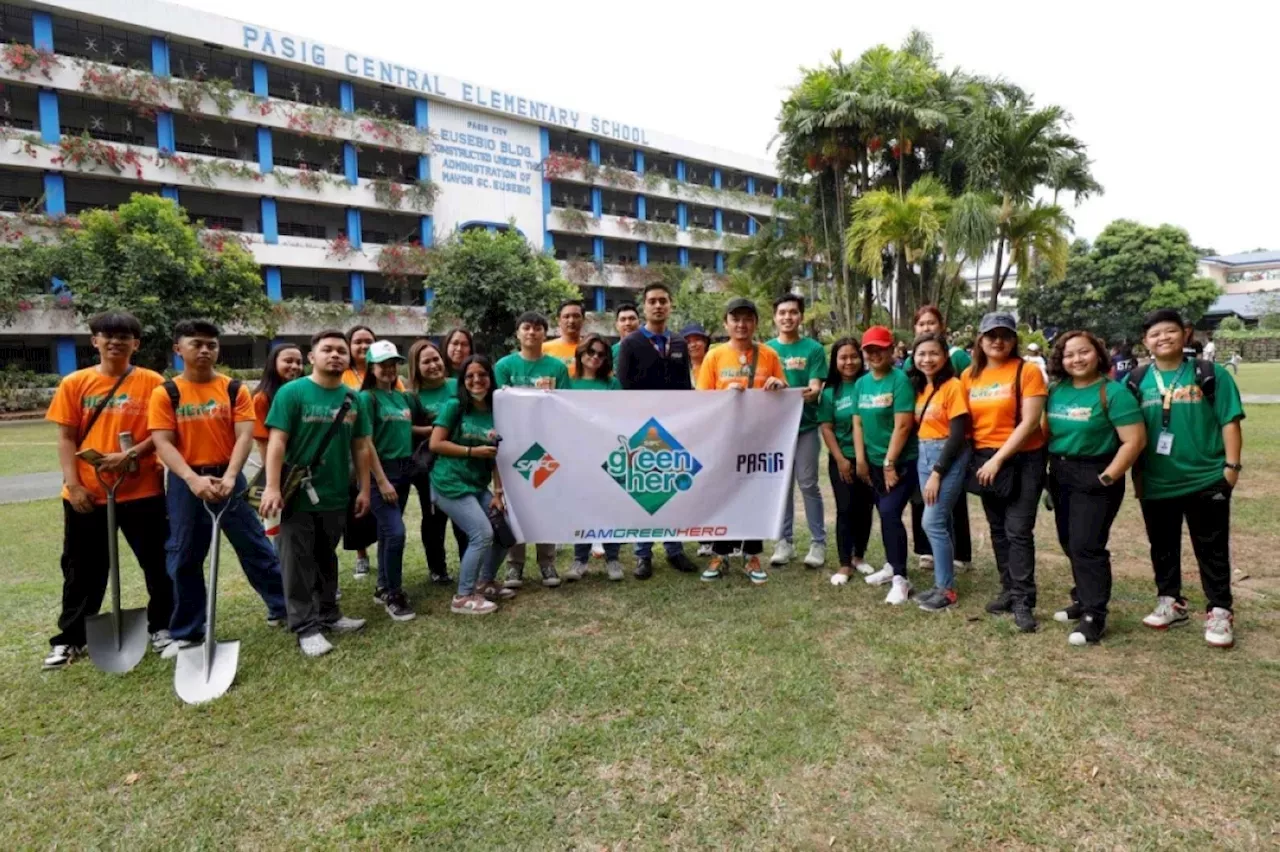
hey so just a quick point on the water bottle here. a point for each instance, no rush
(126, 444)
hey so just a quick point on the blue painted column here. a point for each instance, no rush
(355, 228)
(548, 243)
(171, 193)
(720, 262)
(639, 162)
(350, 160)
(751, 226)
(642, 253)
(597, 194)
(682, 214)
(642, 208)
(55, 194)
(593, 151)
(716, 178)
(346, 96)
(719, 221)
(266, 161)
(270, 222)
(684, 256)
(357, 289)
(680, 170)
(47, 103)
(597, 249)
(42, 30)
(55, 187)
(751, 185)
(426, 226)
(599, 300)
(275, 290)
(66, 355)
(777, 190)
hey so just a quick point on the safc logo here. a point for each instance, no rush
(652, 466)
(536, 465)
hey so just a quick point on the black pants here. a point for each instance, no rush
(854, 503)
(1208, 515)
(1084, 510)
(960, 536)
(85, 566)
(308, 543)
(750, 548)
(1013, 525)
(358, 533)
(433, 530)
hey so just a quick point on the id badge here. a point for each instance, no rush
(1164, 444)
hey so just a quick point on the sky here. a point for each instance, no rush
(1178, 109)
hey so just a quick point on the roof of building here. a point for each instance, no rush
(1248, 258)
(1244, 305)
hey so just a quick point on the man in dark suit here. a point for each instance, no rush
(655, 358)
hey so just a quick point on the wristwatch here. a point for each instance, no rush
(1106, 479)
(1236, 467)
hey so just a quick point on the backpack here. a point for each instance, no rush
(1206, 380)
(233, 392)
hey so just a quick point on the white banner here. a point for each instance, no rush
(604, 466)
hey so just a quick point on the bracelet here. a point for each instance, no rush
(468, 452)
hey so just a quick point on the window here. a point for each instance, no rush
(15, 24)
(205, 62)
(101, 43)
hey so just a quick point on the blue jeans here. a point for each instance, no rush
(190, 534)
(390, 518)
(644, 549)
(889, 504)
(805, 473)
(480, 562)
(937, 521)
(582, 552)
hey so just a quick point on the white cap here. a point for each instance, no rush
(382, 350)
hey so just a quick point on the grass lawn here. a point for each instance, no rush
(1259, 378)
(28, 448)
(669, 714)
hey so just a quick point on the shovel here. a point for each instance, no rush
(117, 640)
(205, 672)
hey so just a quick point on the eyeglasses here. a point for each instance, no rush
(595, 353)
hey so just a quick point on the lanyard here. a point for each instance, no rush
(1166, 394)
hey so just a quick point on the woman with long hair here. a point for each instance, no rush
(854, 498)
(1096, 433)
(593, 370)
(942, 426)
(1006, 398)
(284, 364)
(456, 347)
(360, 338)
(359, 533)
(427, 369)
(466, 446)
(391, 413)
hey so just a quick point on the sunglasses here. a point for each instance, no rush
(595, 353)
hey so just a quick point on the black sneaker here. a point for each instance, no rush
(1000, 604)
(682, 563)
(1071, 613)
(441, 580)
(380, 596)
(1088, 632)
(397, 605)
(936, 600)
(644, 569)
(1024, 618)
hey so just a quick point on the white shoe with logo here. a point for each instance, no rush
(315, 645)
(783, 552)
(1168, 613)
(899, 593)
(817, 556)
(880, 577)
(1218, 630)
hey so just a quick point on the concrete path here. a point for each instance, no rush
(1260, 398)
(30, 486)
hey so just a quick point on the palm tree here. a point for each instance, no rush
(1036, 233)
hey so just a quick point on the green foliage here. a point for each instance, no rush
(1269, 322)
(486, 280)
(24, 276)
(1231, 324)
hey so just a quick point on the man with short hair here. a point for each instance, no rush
(94, 408)
(569, 318)
(655, 358)
(626, 319)
(530, 366)
(319, 430)
(804, 362)
(203, 435)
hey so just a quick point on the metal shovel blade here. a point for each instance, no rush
(195, 682)
(108, 654)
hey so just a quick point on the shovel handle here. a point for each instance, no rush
(216, 511)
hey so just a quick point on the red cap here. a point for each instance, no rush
(878, 335)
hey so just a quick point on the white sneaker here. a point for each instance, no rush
(614, 568)
(171, 650)
(346, 625)
(881, 577)
(900, 592)
(838, 579)
(362, 567)
(926, 563)
(782, 553)
(1218, 628)
(817, 556)
(597, 551)
(862, 566)
(706, 550)
(160, 640)
(315, 645)
(61, 656)
(576, 571)
(1168, 613)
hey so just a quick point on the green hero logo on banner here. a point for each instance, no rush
(652, 466)
(536, 465)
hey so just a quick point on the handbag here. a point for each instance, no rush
(1002, 487)
(502, 534)
(294, 476)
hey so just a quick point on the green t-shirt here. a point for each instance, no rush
(433, 399)
(305, 411)
(836, 408)
(802, 362)
(615, 349)
(1077, 424)
(392, 419)
(960, 360)
(610, 383)
(513, 371)
(1197, 456)
(878, 401)
(461, 477)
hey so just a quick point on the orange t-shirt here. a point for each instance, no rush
(564, 351)
(991, 403)
(723, 368)
(355, 380)
(202, 424)
(260, 409)
(78, 395)
(946, 405)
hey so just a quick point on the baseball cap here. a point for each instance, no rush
(998, 319)
(877, 335)
(740, 304)
(1033, 347)
(694, 328)
(382, 350)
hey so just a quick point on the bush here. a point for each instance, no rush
(1231, 324)
(1270, 322)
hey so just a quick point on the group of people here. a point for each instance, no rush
(343, 445)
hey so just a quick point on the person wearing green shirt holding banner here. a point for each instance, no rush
(854, 497)
(392, 414)
(1189, 469)
(885, 442)
(804, 362)
(593, 371)
(1095, 433)
(318, 428)
(530, 368)
(428, 368)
